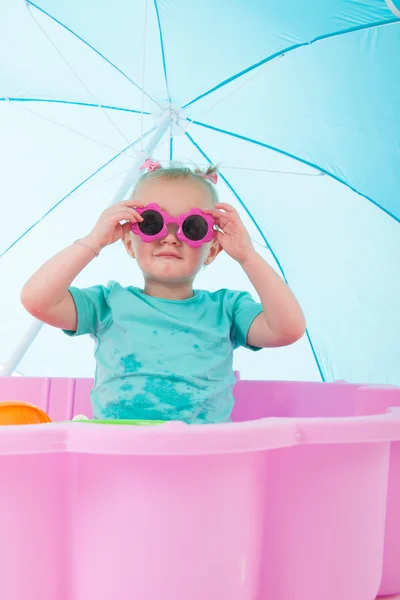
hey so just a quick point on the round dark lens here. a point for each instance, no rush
(152, 222)
(195, 228)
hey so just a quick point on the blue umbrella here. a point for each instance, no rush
(298, 103)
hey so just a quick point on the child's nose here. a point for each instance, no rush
(172, 229)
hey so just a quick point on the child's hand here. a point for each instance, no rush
(235, 239)
(109, 228)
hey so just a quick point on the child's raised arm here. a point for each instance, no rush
(45, 295)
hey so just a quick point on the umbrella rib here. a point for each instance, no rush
(75, 131)
(238, 198)
(72, 103)
(162, 50)
(289, 49)
(83, 84)
(299, 159)
(46, 214)
(108, 61)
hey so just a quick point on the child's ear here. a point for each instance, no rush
(215, 249)
(127, 241)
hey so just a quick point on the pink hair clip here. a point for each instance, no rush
(150, 165)
(213, 177)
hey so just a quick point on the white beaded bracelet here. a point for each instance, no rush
(86, 246)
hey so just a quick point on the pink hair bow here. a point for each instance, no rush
(213, 177)
(150, 165)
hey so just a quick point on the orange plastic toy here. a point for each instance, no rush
(21, 413)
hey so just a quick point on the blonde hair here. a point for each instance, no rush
(177, 171)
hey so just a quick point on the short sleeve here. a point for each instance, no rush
(92, 309)
(244, 311)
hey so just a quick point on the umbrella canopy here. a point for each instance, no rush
(298, 103)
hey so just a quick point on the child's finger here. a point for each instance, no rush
(220, 217)
(132, 202)
(211, 211)
(130, 214)
(126, 227)
(227, 207)
(137, 215)
(222, 220)
(121, 215)
(125, 215)
(220, 237)
(216, 214)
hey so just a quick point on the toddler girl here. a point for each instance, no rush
(165, 352)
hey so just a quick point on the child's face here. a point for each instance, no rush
(175, 196)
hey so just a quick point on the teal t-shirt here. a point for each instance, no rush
(164, 359)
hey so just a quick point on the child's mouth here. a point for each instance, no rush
(169, 256)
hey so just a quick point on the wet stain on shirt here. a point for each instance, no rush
(129, 363)
(126, 387)
(166, 391)
(179, 331)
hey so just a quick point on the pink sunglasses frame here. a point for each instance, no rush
(179, 221)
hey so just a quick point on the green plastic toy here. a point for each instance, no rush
(120, 422)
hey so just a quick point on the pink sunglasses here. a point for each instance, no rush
(195, 227)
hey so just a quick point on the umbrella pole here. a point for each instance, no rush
(21, 349)
(133, 175)
(128, 182)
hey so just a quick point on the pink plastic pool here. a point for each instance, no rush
(297, 500)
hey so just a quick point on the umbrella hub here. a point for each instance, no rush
(176, 114)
